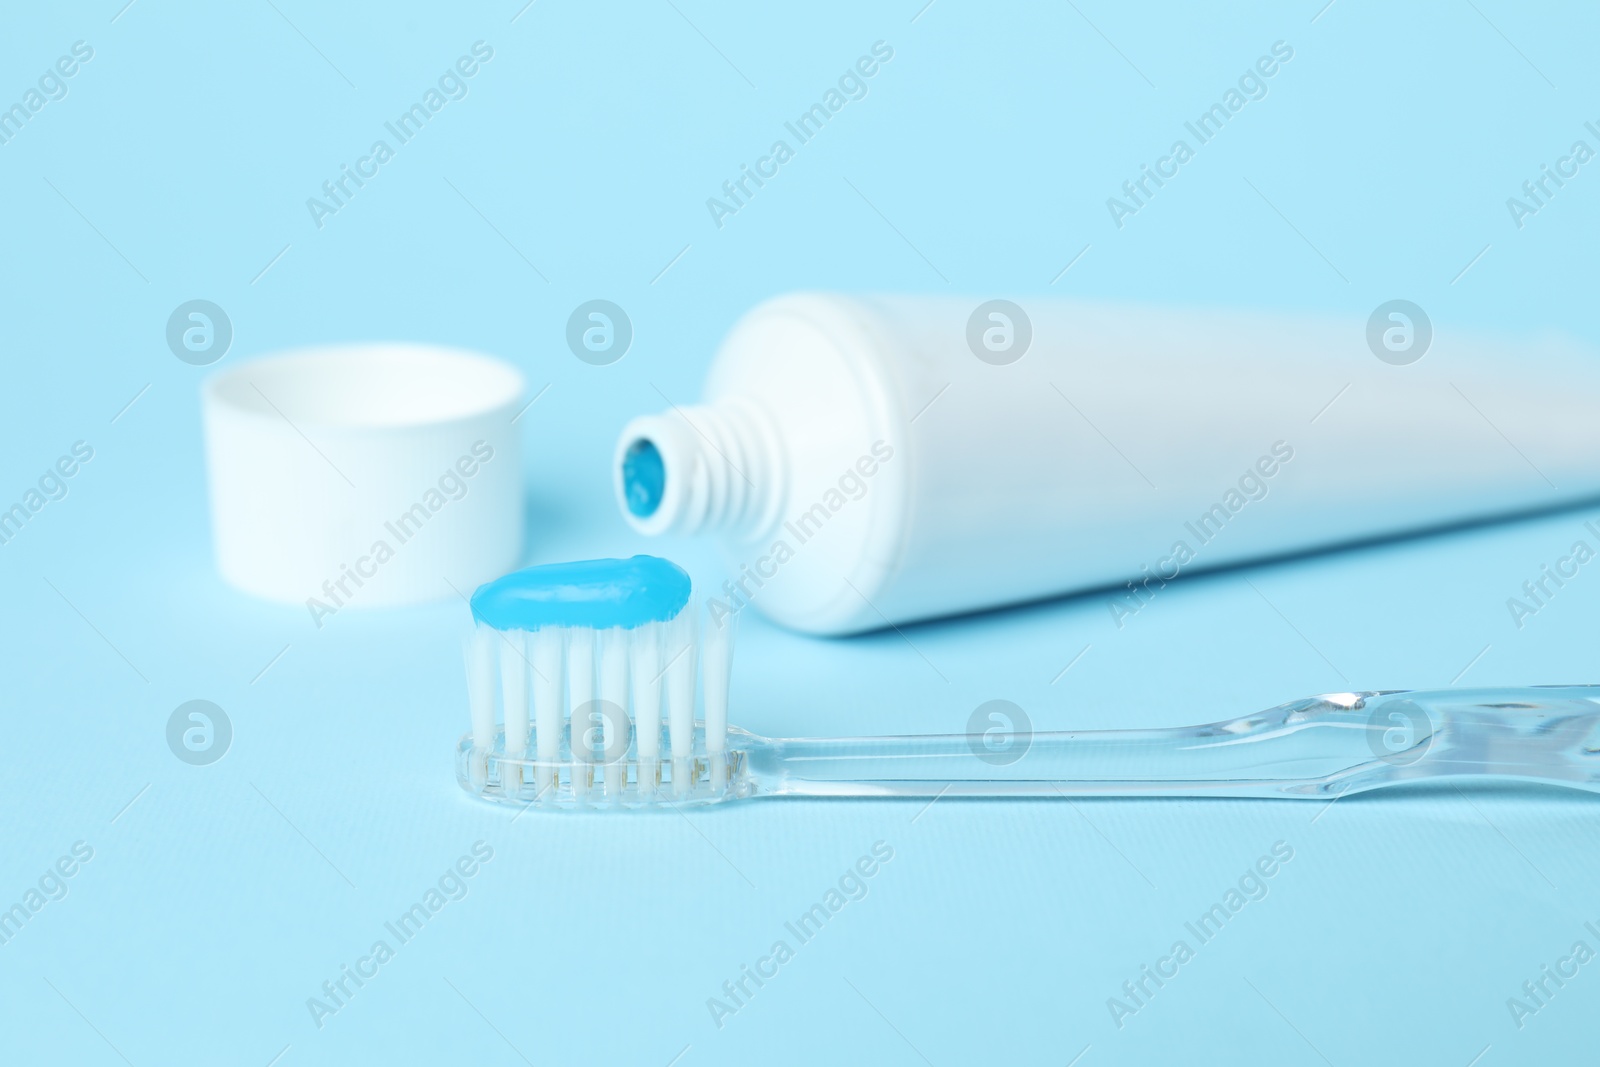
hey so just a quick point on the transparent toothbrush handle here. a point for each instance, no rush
(1319, 747)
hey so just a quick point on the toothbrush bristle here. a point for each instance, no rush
(572, 716)
(718, 667)
(549, 689)
(647, 691)
(680, 679)
(514, 699)
(612, 707)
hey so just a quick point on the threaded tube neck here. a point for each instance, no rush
(698, 468)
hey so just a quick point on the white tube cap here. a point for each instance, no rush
(364, 475)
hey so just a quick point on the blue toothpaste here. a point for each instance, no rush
(598, 593)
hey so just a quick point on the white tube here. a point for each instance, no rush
(870, 460)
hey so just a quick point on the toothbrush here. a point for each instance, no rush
(548, 635)
(634, 612)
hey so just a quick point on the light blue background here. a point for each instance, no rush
(223, 897)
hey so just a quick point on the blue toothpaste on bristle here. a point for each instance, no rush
(597, 593)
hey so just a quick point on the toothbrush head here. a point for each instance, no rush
(627, 782)
(571, 669)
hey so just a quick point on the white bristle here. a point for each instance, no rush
(480, 695)
(624, 698)
(714, 677)
(715, 674)
(580, 694)
(614, 657)
(514, 704)
(647, 700)
(680, 653)
(547, 652)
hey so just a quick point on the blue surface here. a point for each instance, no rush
(219, 898)
(598, 593)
